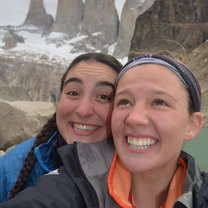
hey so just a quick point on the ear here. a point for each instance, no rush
(195, 125)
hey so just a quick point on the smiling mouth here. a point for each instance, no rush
(140, 143)
(81, 127)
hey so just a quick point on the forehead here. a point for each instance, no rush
(155, 76)
(152, 71)
(92, 68)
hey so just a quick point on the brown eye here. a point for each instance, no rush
(123, 102)
(105, 97)
(72, 93)
(159, 102)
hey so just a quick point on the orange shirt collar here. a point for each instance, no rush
(119, 183)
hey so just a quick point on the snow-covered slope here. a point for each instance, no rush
(55, 47)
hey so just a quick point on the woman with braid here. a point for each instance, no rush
(83, 114)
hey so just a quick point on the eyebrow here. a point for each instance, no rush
(164, 94)
(98, 84)
(155, 92)
(73, 79)
(105, 83)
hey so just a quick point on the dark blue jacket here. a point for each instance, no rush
(12, 162)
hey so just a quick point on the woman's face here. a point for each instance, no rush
(85, 106)
(150, 119)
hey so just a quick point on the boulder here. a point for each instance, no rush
(21, 120)
(11, 39)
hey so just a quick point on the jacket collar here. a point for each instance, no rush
(43, 153)
(192, 182)
(88, 165)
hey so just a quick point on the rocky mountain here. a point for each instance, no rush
(100, 25)
(131, 10)
(37, 81)
(68, 17)
(90, 18)
(170, 25)
(173, 26)
(37, 15)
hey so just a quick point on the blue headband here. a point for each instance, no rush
(180, 70)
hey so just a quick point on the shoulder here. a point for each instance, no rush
(204, 185)
(17, 154)
(10, 165)
(45, 195)
(52, 190)
(200, 192)
(20, 148)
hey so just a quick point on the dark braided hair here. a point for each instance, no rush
(50, 127)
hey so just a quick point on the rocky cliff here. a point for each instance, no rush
(131, 10)
(37, 15)
(197, 60)
(100, 25)
(97, 19)
(29, 79)
(69, 17)
(171, 24)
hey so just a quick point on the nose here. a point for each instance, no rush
(85, 107)
(138, 116)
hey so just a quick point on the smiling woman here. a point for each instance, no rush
(86, 102)
(83, 114)
(156, 109)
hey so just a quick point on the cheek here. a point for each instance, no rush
(172, 126)
(117, 121)
(60, 110)
(105, 112)
(64, 107)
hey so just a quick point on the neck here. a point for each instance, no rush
(149, 190)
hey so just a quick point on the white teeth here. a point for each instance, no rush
(141, 143)
(84, 127)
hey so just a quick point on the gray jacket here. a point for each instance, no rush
(195, 188)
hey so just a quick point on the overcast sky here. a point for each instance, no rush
(13, 12)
